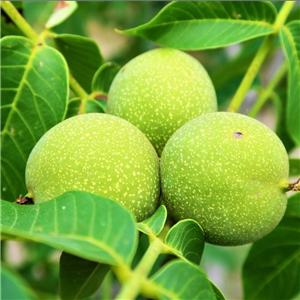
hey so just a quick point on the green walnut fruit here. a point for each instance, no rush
(159, 91)
(97, 153)
(228, 172)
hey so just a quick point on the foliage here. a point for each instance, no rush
(54, 68)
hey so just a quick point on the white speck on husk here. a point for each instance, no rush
(229, 185)
(98, 153)
(159, 91)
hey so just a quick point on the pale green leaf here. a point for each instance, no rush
(182, 280)
(186, 240)
(192, 25)
(79, 223)
(290, 39)
(34, 92)
(62, 11)
(154, 224)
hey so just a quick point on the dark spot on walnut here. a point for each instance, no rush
(238, 135)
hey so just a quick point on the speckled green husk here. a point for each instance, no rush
(98, 153)
(228, 172)
(159, 91)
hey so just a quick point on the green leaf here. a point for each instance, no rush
(94, 105)
(34, 92)
(73, 107)
(290, 39)
(272, 268)
(292, 213)
(83, 57)
(280, 106)
(219, 295)
(91, 106)
(80, 223)
(186, 240)
(14, 287)
(182, 280)
(79, 278)
(154, 224)
(62, 11)
(294, 166)
(192, 25)
(104, 77)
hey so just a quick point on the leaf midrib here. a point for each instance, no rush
(19, 90)
(51, 240)
(228, 21)
(275, 273)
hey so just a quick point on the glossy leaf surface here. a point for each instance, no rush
(182, 280)
(155, 223)
(186, 240)
(34, 92)
(192, 25)
(80, 223)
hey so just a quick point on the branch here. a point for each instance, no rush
(17, 18)
(260, 56)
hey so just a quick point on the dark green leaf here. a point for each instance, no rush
(34, 92)
(272, 268)
(80, 278)
(294, 166)
(290, 39)
(219, 295)
(182, 280)
(280, 105)
(192, 25)
(94, 105)
(83, 57)
(186, 240)
(154, 224)
(91, 106)
(73, 107)
(62, 11)
(104, 77)
(293, 209)
(80, 223)
(14, 287)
